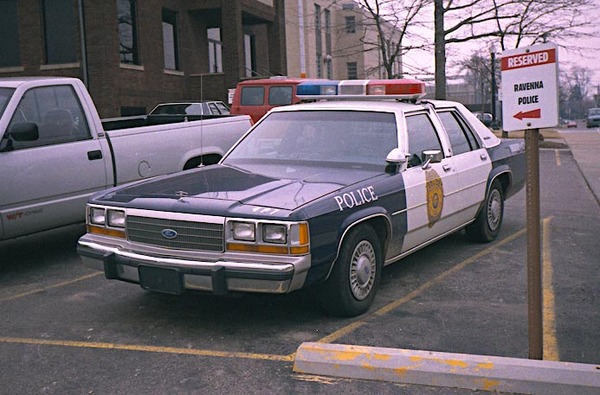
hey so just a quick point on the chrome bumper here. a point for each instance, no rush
(218, 273)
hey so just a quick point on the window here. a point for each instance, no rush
(280, 95)
(461, 137)
(250, 55)
(318, 42)
(126, 20)
(352, 70)
(59, 31)
(215, 50)
(170, 45)
(328, 45)
(9, 31)
(253, 96)
(422, 136)
(55, 111)
(350, 24)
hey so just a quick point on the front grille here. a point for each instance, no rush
(197, 236)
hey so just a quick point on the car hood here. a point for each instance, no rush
(285, 187)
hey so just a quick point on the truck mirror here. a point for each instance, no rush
(23, 131)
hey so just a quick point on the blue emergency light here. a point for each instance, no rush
(398, 89)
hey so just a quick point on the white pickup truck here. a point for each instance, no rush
(55, 151)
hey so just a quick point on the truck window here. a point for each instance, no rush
(280, 95)
(422, 136)
(253, 95)
(5, 94)
(57, 114)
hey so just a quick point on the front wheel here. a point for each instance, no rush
(353, 283)
(489, 220)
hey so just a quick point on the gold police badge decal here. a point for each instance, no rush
(435, 196)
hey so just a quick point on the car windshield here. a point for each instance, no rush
(344, 137)
(5, 95)
(595, 111)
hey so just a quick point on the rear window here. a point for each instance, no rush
(252, 96)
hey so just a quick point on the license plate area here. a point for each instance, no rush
(159, 279)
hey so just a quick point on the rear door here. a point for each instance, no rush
(470, 161)
(46, 182)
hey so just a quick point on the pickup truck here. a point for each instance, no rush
(319, 195)
(55, 151)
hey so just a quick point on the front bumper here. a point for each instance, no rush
(220, 273)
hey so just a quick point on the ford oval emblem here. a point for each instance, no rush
(168, 233)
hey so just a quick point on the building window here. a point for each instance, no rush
(250, 55)
(215, 50)
(59, 31)
(350, 24)
(9, 31)
(126, 19)
(318, 41)
(352, 70)
(170, 45)
(328, 45)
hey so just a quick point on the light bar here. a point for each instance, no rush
(399, 89)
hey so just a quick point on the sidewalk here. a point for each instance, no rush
(585, 147)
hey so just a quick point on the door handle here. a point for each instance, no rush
(483, 157)
(94, 155)
(446, 167)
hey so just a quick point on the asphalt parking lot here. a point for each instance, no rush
(65, 329)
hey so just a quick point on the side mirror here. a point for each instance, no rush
(23, 131)
(396, 161)
(431, 156)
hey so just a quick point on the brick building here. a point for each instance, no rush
(132, 55)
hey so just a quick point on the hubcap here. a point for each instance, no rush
(494, 211)
(363, 267)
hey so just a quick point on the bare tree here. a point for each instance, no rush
(513, 23)
(393, 20)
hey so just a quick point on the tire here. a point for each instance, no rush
(489, 220)
(354, 281)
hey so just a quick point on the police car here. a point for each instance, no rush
(322, 195)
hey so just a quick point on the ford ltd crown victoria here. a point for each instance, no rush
(322, 195)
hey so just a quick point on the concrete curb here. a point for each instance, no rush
(472, 372)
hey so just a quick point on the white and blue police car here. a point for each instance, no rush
(322, 194)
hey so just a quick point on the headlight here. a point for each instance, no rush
(116, 218)
(243, 231)
(97, 216)
(274, 233)
(267, 237)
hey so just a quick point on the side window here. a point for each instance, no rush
(253, 96)
(461, 136)
(280, 95)
(422, 136)
(55, 111)
(222, 108)
(458, 139)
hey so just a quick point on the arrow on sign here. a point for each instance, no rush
(528, 114)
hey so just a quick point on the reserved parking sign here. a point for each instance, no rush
(530, 87)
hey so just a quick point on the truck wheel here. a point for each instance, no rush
(489, 220)
(353, 283)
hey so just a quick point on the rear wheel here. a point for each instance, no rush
(353, 283)
(489, 220)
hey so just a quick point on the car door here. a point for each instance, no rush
(46, 182)
(431, 188)
(470, 161)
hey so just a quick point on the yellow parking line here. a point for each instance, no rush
(155, 349)
(38, 290)
(412, 295)
(557, 157)
(550, 347)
